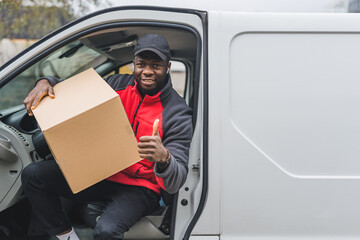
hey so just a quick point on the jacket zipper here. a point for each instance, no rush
(132, 124)
(136, 128)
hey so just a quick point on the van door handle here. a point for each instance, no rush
(6, 154)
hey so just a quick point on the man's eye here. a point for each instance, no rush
(140, 64)
(156, 65)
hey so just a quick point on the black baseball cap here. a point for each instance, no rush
(154, 43)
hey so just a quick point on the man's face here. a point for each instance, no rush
(150, 72)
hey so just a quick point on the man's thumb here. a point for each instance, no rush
(156, 127)
(51, 92)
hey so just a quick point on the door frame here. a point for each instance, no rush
(203, 45)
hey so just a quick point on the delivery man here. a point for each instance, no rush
(147, 95)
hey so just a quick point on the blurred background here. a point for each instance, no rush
(23, 22)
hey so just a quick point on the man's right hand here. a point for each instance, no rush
(41, 89)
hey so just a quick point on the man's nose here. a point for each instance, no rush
(148, 70)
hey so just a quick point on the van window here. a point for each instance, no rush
(178, 76)
(63, 63)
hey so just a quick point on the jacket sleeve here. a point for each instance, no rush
(177, 138)
(52, 80)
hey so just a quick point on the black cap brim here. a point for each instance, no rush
(157, 52)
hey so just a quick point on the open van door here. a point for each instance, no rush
(103, 40)
(285, 131)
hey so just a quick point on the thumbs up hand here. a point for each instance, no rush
(156, 127)
(151, 147)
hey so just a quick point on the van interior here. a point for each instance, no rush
(108, 50)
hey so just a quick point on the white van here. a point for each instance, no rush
(275, 98)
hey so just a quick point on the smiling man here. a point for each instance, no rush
(147, 95)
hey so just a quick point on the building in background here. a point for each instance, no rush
(354, 6)
(340, 6)
(23, 21)
(343, 6)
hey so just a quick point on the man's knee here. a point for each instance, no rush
(106, 231)
(33, 176)
(28, 174)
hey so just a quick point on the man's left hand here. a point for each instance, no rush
(152, 149)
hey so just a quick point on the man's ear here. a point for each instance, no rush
(169, 66)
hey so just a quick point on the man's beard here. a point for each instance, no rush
(151, 92)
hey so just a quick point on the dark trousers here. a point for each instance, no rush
(43, 184)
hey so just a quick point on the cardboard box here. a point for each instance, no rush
(87, 130)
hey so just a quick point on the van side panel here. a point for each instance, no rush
(290, 126)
